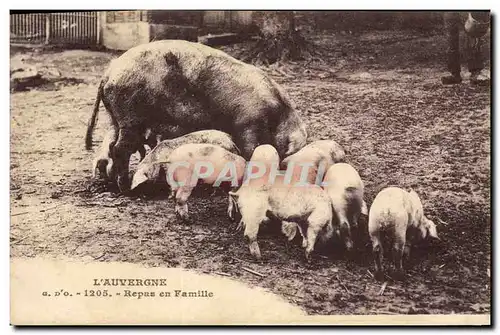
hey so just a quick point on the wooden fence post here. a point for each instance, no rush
(98, 28)
(47, 28)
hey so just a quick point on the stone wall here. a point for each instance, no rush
(122, 32)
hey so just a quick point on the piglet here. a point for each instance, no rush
(264, 160)
(346, 191)
(207, 163)
(394, 213)
(149, 168)
(309, 165)
(271, 196)
(315, 156)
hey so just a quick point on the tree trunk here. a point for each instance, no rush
(279, 38)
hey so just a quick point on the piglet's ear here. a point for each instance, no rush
(431, 228)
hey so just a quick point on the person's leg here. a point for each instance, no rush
(452, 25)
(475, 61)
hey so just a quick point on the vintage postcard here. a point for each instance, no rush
(250, 167)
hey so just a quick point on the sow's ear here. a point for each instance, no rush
(171, 59)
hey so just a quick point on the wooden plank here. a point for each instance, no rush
(79, 32)
(88, 30)
(62, 34)
(47, 28)
(55, 26)
(85, 31)
(98, 27)
(41, 27)
(95, 34)
(13, 25)
(38, 27)
(221, 39)
(89, 37)
(31, 28)
(67, 31)
(253, 271)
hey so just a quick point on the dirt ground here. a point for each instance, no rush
(379, 95)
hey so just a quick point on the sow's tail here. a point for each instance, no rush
(93, 118)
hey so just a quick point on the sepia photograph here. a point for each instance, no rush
(250, 167)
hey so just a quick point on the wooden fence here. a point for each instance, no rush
(77, 28)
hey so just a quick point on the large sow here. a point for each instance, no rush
(193, 87)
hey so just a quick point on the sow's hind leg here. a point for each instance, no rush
(102, 165)
(129, 139)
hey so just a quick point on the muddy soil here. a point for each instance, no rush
(379, 95)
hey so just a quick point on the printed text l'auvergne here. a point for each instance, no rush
(130, 282)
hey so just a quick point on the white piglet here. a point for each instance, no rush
(200, 162)
(264, 159)
(315, 156)
(315, 159)
(394, 213)
(346, 191)
(307, 207)
(310, 209)
(149, 168)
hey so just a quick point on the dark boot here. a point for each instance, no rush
(479, 80)
(451, 79)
